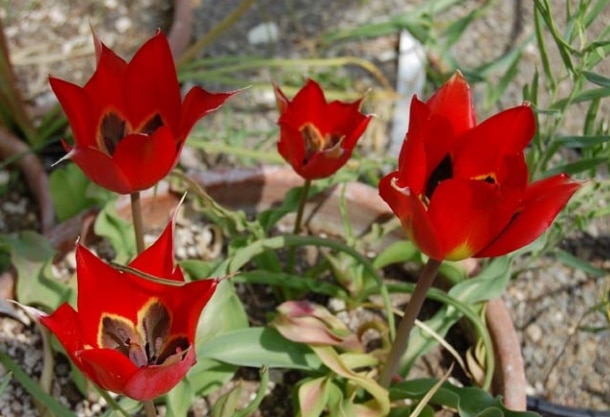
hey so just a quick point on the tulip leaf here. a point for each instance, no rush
(223, 313)
(226, 404)
(69, 191)
(179, 400)
(313, 396)
(4, 381)
(31, 255)
(468, 401)
(488, 284)
(398, 252)
(118, 231)
(257, 347)
(43, 398)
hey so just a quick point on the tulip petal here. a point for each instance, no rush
(454, 102)
(307, 106)
(101, 169)
(469, 214)
(152, 85)
(346, 121)
(64, 323)
(150, 382)
(108, 368)
(77, 105)
(102, 290)
(413, 216)
(145, 160)
(158, 258)
(542, 202)
(197, 104)
(504, 134)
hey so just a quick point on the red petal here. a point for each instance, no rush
(150, 382)
(413, 216)
(454, 102)
(469, 214)
(152, 85)
(292, 147)
(77, 106)
(542, 202)
(307, 106)
(104, 290)
(158, 258)
(64, 323)
(145, 160)
(186, 303)
(106, 87)
(101, 169)
(197, 104)
(322, 166)
(434, 139)
(483, 147)
(108, 368)
(345, 119)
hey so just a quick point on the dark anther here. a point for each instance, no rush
(112, 130)
(156, 325)
(152, 125)
(443, 171)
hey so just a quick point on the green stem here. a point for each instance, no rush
(297, 225)
(301, 210)
(149, 408)
(138, 225)
(412, 310)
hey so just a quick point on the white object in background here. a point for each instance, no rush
(410, 80)
(266, 32)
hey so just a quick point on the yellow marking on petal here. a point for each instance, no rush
(460, 252)
(489, 178)
(315, 142)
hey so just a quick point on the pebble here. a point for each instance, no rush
(266, 32)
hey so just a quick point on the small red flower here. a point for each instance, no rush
(132, 335)
(317, 138)
(461, 189)
(129, 121)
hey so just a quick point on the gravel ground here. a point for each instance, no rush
(551, 303)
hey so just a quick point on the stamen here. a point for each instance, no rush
(152, 125)
(315, 142)
(112, 130)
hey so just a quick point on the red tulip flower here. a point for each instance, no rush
(132, 335)
(461, 189)
(129, 121)
(317, 138)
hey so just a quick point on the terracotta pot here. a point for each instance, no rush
(253, 190)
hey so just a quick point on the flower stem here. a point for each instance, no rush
(149, 408)
(297, 224)
(408, 320)
(301, 210)
(138, 225)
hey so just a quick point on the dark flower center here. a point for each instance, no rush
(315, 142)
(442, 172)
(153, 345)
(113, 129)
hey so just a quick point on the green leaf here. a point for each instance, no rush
(578, 263)
(257, 347)
(583, 141)
(597, 79)
(488, 284)
(4, 381)
(469, 401)
(398, 252)
(294, 282)
(44, 399)
(258, 399)
(32, 254)
(224, 313)
(118, 231)
(69, 191)
(179, 400)
(226, 404)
